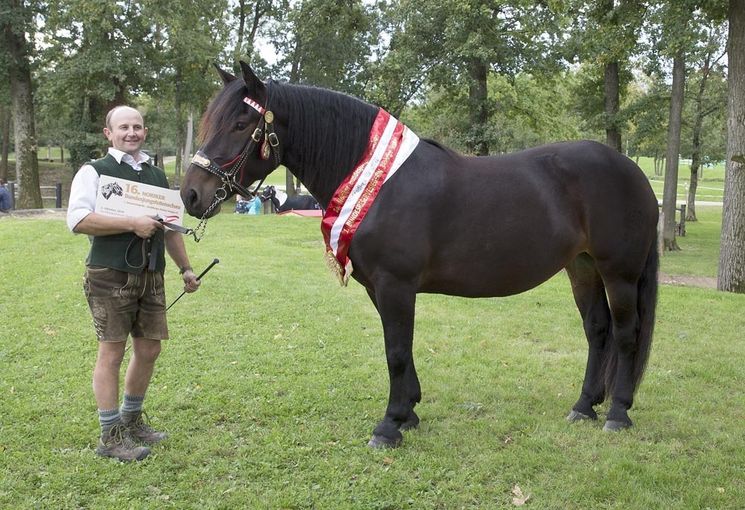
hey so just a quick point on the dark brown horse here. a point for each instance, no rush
(578, 206)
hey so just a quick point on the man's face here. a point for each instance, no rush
(127, 131)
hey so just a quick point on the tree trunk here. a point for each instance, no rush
(188, 148)
(731, 277)
(294, 78)
(698, 122)
(612, 106)
(180, 126)
(27, 165)
(241, 29)
(259, 12)
(5, 149)
(478, 107)
(695, 161)
(669, 199)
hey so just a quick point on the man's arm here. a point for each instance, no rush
(95, 224)
(82, 220)
(177, 250)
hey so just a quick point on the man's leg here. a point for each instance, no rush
(115, 442)
(106, 377)
(136, 383)
(141, 365)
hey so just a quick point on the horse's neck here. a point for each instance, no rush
(334, 133)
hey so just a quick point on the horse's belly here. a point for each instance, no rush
(468, 282)
(499, 271)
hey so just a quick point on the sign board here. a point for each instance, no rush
(120, 197)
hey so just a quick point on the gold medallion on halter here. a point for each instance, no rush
(268, 116)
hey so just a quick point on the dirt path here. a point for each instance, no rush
(704, 282)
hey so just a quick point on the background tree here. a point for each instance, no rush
(5, 117)
(101, 55)
(462, 44)
(707, 95)
(327, 44)
(647, 114)
(16, 20)
(676, 37)
(186, 38)
(605, 37)
(731, 275)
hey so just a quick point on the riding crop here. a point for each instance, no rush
(198, 278)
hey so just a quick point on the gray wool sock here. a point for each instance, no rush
(108, 418)
(132, 404)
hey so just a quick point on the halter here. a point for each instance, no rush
(231, 173)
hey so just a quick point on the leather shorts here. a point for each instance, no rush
(126, 303)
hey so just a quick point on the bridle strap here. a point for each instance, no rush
(232, 176)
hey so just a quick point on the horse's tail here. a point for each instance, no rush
(646, 304)
(646, 307)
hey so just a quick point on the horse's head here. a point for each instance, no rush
(239, 145)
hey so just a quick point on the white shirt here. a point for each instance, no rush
(85, 186)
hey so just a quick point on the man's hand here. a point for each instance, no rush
(191, 284)
(146, 226)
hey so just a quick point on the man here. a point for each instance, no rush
(124, 285)
(5, 200)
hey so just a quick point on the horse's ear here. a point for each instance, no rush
(224, 75)
(255, 86)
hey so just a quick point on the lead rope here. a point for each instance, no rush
(198, 231)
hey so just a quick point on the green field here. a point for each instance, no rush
(275, 376)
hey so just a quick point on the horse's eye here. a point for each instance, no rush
(240, 126)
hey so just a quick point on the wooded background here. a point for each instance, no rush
(664, 79)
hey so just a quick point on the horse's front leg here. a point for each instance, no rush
(395, 302)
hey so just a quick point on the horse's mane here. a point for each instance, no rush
(222, 111)
(328, 132)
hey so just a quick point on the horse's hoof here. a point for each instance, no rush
(615, 426)
(381, 442)
(574, 416)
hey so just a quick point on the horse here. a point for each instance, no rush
(579, 206)
(284, 203)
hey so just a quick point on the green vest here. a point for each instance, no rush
(127, 251)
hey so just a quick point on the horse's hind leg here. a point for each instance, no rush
(395, 302)
(589, 294)
(622, 296)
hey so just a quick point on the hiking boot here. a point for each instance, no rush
(140, 430)
(117, 443)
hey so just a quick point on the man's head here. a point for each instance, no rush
(125, 129)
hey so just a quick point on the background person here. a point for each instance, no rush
(123, 284)
(5, 198)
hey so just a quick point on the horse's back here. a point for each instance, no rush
(499, 225)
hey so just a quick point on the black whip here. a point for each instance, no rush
(198, 278)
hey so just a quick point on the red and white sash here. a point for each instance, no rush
(389, 145)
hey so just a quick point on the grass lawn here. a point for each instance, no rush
(710, 185)
(274, 377)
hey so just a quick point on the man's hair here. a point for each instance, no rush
(111, 113)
